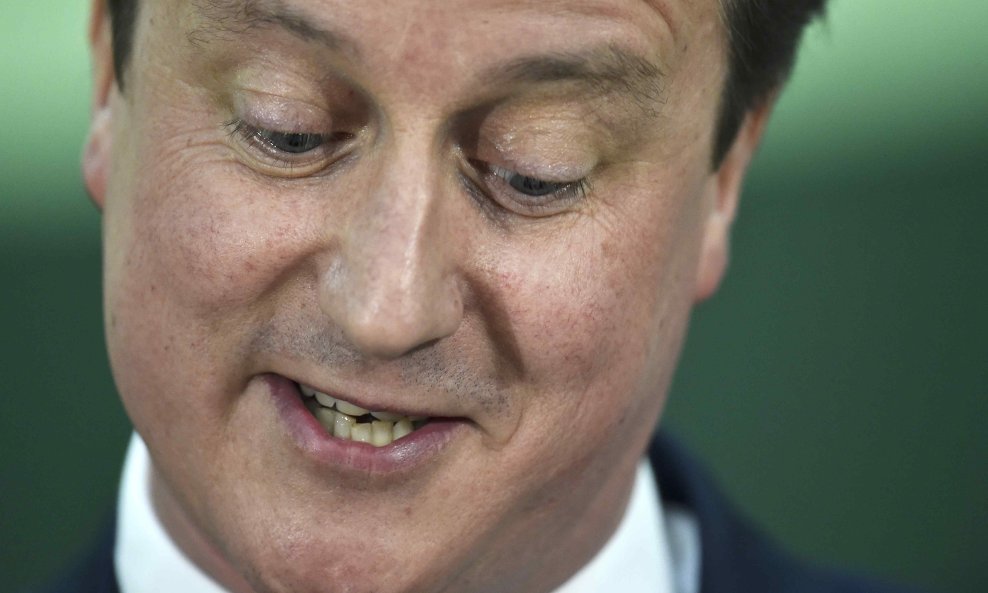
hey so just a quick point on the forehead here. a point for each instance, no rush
(468, 49)
(674, 13)
(657, 30)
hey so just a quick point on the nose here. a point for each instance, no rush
(392, 284)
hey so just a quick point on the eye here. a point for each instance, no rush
(291, 142)
(531, 186)
(529, 195)
(280, 153)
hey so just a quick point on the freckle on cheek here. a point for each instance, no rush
(608, 251)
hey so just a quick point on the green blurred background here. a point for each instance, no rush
(837, 384)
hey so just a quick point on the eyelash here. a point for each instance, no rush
(307, 161)
(495, 179)
(498, 179)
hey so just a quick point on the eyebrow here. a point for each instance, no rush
(605, 70)
(241, 16)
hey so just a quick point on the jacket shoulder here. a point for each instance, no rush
(735, 556)
(94, 572)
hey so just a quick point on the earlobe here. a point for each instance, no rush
(97, 150)
(724, 192)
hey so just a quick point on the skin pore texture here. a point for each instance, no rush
(395, 263)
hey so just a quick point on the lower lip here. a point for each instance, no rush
(406, 454)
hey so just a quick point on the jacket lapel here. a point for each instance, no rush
(95, 573)
(734, 556)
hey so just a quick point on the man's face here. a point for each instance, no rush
(495, 214)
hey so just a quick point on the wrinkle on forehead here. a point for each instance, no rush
(608, 70)
(669, 13)
(239, 16)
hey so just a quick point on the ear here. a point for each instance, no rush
(97, 149)
(725, 191)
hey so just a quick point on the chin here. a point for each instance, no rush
(337, 569)
(302, 549)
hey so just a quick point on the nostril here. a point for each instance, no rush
(397, 327)
(387, 338)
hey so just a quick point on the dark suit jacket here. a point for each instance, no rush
(735, 557)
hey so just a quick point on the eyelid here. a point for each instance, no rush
(496, 181)
(263, 136)
(286, 130)
(505, 173)
(277, 112)
(260, 154)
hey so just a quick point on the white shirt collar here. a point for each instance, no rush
(637, 555)
(653, 550)
(145, 557)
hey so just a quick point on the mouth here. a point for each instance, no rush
(347, 437)
(348, 421)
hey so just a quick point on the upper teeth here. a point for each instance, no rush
(343, 419)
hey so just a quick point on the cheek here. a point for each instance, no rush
(192, 228)
(212, 245)
(602, 316)
(191, 253)
(599, 322)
